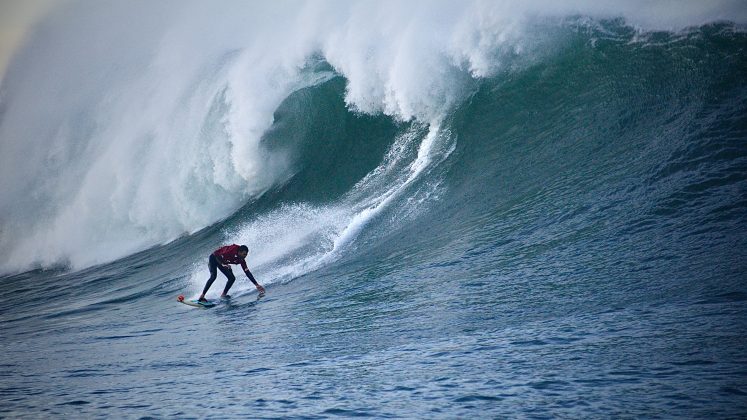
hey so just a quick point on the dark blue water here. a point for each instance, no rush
(571, 241)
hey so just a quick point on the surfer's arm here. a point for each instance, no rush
(251, 277)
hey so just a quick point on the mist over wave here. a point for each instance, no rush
(123, 126)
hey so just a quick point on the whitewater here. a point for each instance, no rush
(459, 209)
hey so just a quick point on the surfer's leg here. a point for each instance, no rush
(213, 265)
(231, 278)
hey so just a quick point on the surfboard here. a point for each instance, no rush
(196, 303)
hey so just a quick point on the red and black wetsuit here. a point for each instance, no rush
(226, 255)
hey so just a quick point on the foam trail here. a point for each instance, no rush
(295, 240)
(374, 206)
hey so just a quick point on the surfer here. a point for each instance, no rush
(221, 259)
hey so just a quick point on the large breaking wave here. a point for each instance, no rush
(123, 126)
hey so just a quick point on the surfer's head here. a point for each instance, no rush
(243, 251)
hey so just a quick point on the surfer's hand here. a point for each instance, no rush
(260, 288)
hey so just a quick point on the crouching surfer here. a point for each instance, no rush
(221, 259)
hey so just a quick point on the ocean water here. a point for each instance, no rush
(458, 210)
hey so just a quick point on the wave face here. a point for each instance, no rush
(509, 210)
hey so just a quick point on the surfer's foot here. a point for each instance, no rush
(225, 296)
(202, 299)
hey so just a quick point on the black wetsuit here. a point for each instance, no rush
(226, 255)
(213, 264)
